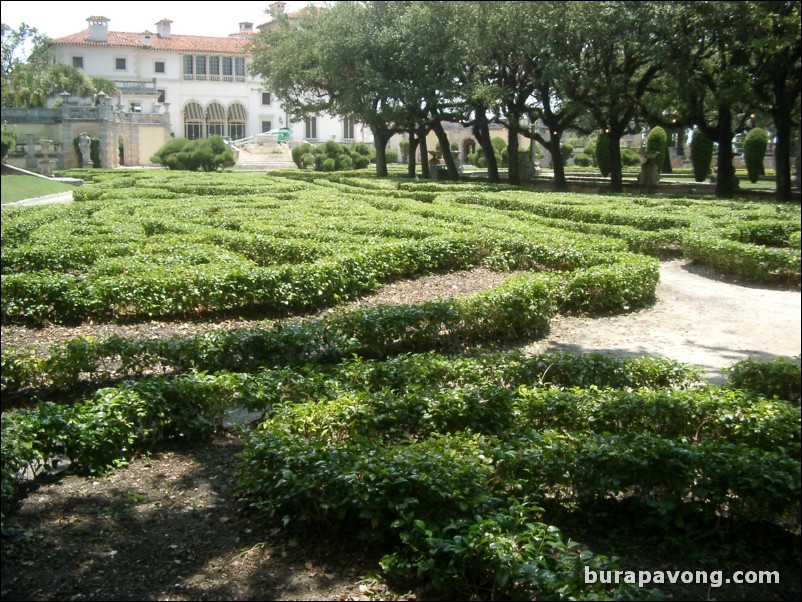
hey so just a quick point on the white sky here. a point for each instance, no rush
(58, 19)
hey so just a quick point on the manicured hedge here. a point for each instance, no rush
(521, 307)
(428, 456)
(115, 256)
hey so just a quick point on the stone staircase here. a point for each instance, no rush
(253, 157)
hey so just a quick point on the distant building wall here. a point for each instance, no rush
(139, 134)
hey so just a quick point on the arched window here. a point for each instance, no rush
(237, 117)
(215, 120)
(194, 118)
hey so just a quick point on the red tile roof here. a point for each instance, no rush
(175, 43)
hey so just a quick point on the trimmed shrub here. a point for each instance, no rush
(359, 148)
(603, 154)
(701, 155)
(344, 162)
(630, 158)
(778, 378)
(567, 151)
(752, 262)
(404, 146)
(332, 149)
(331, 156)
(360, 161)
(299, 154)
(657, 142)
(583, 160)
(755, 147)
(208, 154)
(360, 154)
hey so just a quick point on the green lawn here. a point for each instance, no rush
(16, 188)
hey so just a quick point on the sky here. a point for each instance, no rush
(58, 19)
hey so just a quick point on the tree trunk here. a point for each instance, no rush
(512, 152)
(445, 145)
(616, 176)
(666, 167)
(481, 132)
(424, 153)
(725, 172)
(798, 161)
(782, 155)
(560, 183)
(380, 138)
(413, 148)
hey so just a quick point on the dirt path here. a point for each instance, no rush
(697, 319)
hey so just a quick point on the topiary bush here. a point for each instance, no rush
(701, 155)
(755, 145)
(308, 161)
(582, 160)
(208, 154)
(344, 162)
(333, 157)
(500, 146)
(603, 154)
(299, 155)
(567, 151)
(657, 142)
(404, 146)
(630, 158)
(360, 154)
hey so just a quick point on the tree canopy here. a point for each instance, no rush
(610, 66)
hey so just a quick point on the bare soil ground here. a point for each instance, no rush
(166, 527)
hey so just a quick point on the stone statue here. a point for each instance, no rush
(84, 144)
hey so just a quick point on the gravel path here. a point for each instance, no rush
(697, 319)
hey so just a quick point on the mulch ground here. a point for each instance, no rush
(168, 527)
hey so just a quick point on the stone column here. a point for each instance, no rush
(30, 152)
(433, 163)
(46, 164)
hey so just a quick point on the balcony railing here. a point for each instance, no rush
(137, 86)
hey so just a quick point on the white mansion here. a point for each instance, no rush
(203, 82)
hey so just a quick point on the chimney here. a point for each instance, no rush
(245, 26)
(277, 8)
(98, 29)
(163, 29)
(146, 38)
